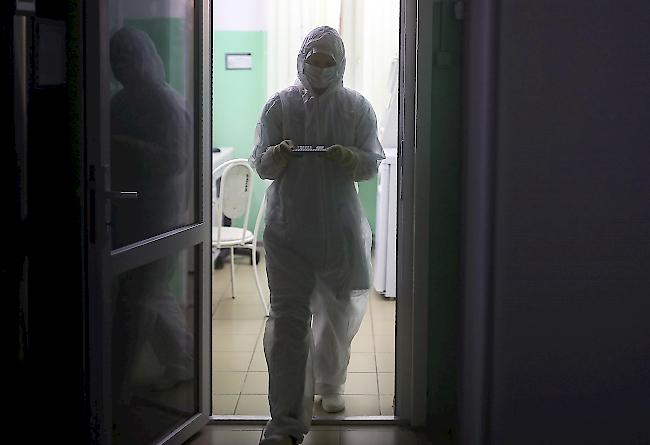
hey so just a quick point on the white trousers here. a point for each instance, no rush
(307, 337)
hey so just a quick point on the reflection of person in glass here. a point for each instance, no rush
(150, 154)
(151, 142)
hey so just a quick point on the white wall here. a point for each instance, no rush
(240, 15)
(370, 30)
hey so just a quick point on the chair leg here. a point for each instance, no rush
(232, 271)
(257, 280)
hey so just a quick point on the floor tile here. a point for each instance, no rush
(231, 361)
(245, 286)
(385, 361)
(381, 436)
(239, 312)
(375, 296)
(361, 383)
(382, 312)
(259, 347)
(215, 303)
(234, 342)
(226, 382)
(362, 362)
(259, 362)
(245, 294)
(209, 436)
(220, 283)
(363, 343)
(383, 327)
(256, 383)
(366, 326)
(243, 297)
(252, 405)
(383, 304)
(386, 405)
(384, 343)
(245, 280)
(224, 404)
(245, 270)
(228, 426)
(321, 437)
(386, 383)
(251, 327)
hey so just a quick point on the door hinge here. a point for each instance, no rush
(106, 170)
(91, 204)
(400, 164)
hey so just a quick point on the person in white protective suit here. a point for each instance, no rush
(317, 238)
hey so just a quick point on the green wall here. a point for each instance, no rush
(368, 197)
(238, 98)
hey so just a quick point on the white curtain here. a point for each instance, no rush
(289, 21)
(370, 31)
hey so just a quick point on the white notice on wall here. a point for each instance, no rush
(239, 61)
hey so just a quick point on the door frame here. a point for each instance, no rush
(413, 213)
(101, 261)
(479, 119)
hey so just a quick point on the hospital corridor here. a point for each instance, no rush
(254, 56)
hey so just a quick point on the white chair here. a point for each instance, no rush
(233, 200)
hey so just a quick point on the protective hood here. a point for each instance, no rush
(134, 59)
(327, 40)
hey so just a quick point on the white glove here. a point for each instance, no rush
(346, 157)
(281, 153)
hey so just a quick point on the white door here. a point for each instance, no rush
(147, 101)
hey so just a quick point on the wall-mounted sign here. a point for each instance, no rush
(239, 61)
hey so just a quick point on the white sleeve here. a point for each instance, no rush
(366, 141)
(267, 134)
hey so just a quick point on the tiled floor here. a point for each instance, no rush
(239, 374)
(319, 435)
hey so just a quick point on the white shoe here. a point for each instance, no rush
(277, 440)
(333, 403)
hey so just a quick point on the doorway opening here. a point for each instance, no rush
(255, 44)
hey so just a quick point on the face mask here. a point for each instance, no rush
(320, 78)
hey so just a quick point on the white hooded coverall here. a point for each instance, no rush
(317, 238)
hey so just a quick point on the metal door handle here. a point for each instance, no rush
(123, 195)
